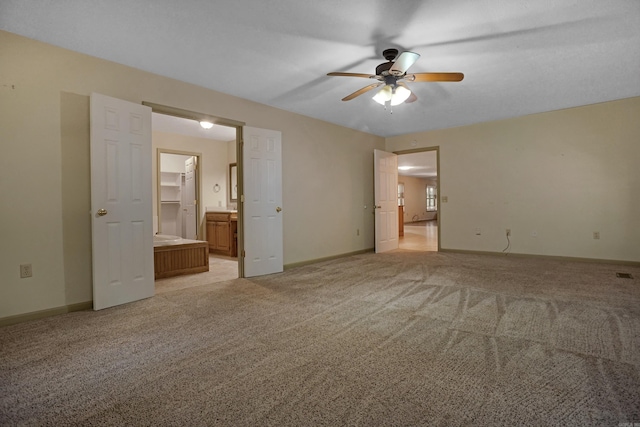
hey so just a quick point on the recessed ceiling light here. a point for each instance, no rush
(206, 125)
(405, 168)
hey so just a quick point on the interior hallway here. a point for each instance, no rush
(420, 236)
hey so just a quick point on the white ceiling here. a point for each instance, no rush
(171, 124)
(422, 165)
(518, 56)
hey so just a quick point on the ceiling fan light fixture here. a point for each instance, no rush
(393, 75)
(384, 95)
(400, 95)
(206, 125)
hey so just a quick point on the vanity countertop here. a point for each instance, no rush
(220, 210)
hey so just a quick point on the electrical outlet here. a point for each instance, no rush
(478, 231)
(444, 199)
(508, 232)
(25, 271)
(534, 233)
(596, 235)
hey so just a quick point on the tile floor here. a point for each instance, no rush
(221, 269)
(421, 236)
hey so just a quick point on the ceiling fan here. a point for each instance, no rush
(392, 75)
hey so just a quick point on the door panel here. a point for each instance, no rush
(385, 171)
(190, 197)
(122, 229)
(263, 225)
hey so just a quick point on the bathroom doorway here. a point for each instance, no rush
(180, 144)
(177, 195)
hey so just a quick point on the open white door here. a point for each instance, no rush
(385, 170)
(121, 216)
(262, 166)
(191, 229)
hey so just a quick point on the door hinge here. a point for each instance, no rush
(242, 198)
(243, 253)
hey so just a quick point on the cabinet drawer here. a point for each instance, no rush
(217, 216)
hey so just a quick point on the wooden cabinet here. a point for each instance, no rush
(222, 232)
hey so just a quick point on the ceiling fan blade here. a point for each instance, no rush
(361, 91)
(339, 73)
(412, 97)
(403, 62)
(434, 77)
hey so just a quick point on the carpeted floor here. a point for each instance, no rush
(402, 339)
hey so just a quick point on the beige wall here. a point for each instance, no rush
(44, 169)
(562, 174)
(415, 198)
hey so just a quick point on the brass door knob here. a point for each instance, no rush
(102, 212)
(278, 209)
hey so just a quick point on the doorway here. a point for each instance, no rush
(192, 177)
(177, 195)
(418, 187)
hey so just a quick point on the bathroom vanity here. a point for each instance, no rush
(222, 232)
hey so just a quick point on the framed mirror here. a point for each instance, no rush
(233, 182)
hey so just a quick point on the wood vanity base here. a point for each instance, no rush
(222, 233)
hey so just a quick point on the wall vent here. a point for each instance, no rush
(624, 275)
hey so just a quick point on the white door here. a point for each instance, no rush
(262, 178)
(385, 170)
(190, 198)
(121, 216)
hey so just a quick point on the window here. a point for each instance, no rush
(432, 199)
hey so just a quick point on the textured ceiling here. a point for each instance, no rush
(171, 124)
(518, 56)
(420, 165)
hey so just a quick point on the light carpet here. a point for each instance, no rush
(401, 339)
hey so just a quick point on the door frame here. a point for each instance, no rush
(159, 153)
(198, 116)
(435, 148)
